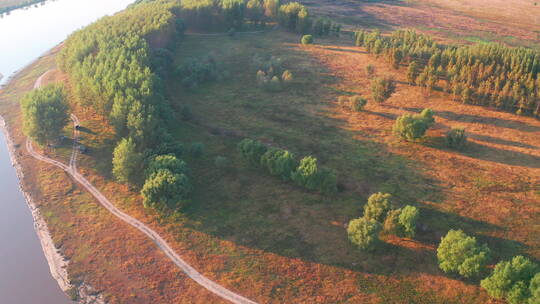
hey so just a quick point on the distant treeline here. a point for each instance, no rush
(481, 74)
(25, 3)
(236, 14)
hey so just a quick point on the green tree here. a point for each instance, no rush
(534, 289)
(456, 138)
(45, 113)
(504, 281)
(413, 127)
(168, 162)
(382, 88)
(279, 162)
(412, 72)
(407, 220)
(126, 162)
(164, 189)
(377, 206)
(391, 223)
(460, 253)
(364, 233)
(252, 150)
(310, 176)
(271, 8)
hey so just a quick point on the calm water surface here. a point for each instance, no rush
(24, 36)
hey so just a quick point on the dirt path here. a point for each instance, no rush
(154, 236)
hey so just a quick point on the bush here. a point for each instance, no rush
(252, 150)
(407, 220)
(307, 39)
(279, 162)
(167, 162)
(391, 223)
(377, 206)
(460, 253)
(510, 279)
(382, 88)
(456, 138)
(308, 175)
(165, 190)
(357, 103)
(413, 127)
(287, 77)
(364, 233)
(370, 70)
(196, 150)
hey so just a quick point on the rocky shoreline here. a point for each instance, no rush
(57, 262)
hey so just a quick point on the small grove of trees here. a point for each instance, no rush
(194, 72)
(364, 232)
(270, 73)
(282, 163)
(413, 127)
(517, 281)
(167, 184)
(460, 253)
(295, 17)
(382, 88)
(482, 74)
(45, 113)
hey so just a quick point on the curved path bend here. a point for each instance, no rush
(210, 285)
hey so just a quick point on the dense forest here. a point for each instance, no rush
(481, 74)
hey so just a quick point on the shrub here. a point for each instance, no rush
(279, 162)
(307, 39)
(382, 88)
(370, 70)
(196, 149)
(308, 175)
(510, 278)
(377, 206)
(287, 77)
(413, 127)
(252, 150)
(407, 220)
(357, 103)
(364, 233)
(456, 138)
(165, 190)
(221, 162)
(460, 253)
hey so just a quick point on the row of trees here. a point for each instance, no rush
(482, 74)
(282, 163)
(235, 14)
(380, 215)
(517, 280)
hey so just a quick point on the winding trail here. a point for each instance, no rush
(212, 286)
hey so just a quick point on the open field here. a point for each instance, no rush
(512, 22)
(272, 241)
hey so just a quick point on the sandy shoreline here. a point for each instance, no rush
(57, 262)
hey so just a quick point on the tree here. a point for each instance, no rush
(255, 11)
(534, 289)
(391, 223)
(168, 162)
(308, 175)
(460, 253)
(413, 127)
(377, 206)
(407, 220)
(364, 233)
(456, 138)
(412, 72)
(165, 190)
(382, 88)
(126, 162)
(252, 150)
(271, 8)
(287, 77)
(510, 278)
(370, 70)
(307, 39)
(357, 103)
(279, 162)
(45, 113)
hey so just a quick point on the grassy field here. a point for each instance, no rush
(270, 240)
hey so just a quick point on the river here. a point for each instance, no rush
(24, 35)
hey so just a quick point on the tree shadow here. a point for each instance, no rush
(470, 118)
(86, 130)
(500, 141)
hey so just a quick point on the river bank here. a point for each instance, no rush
(82, 293)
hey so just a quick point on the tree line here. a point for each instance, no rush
(482, 74)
